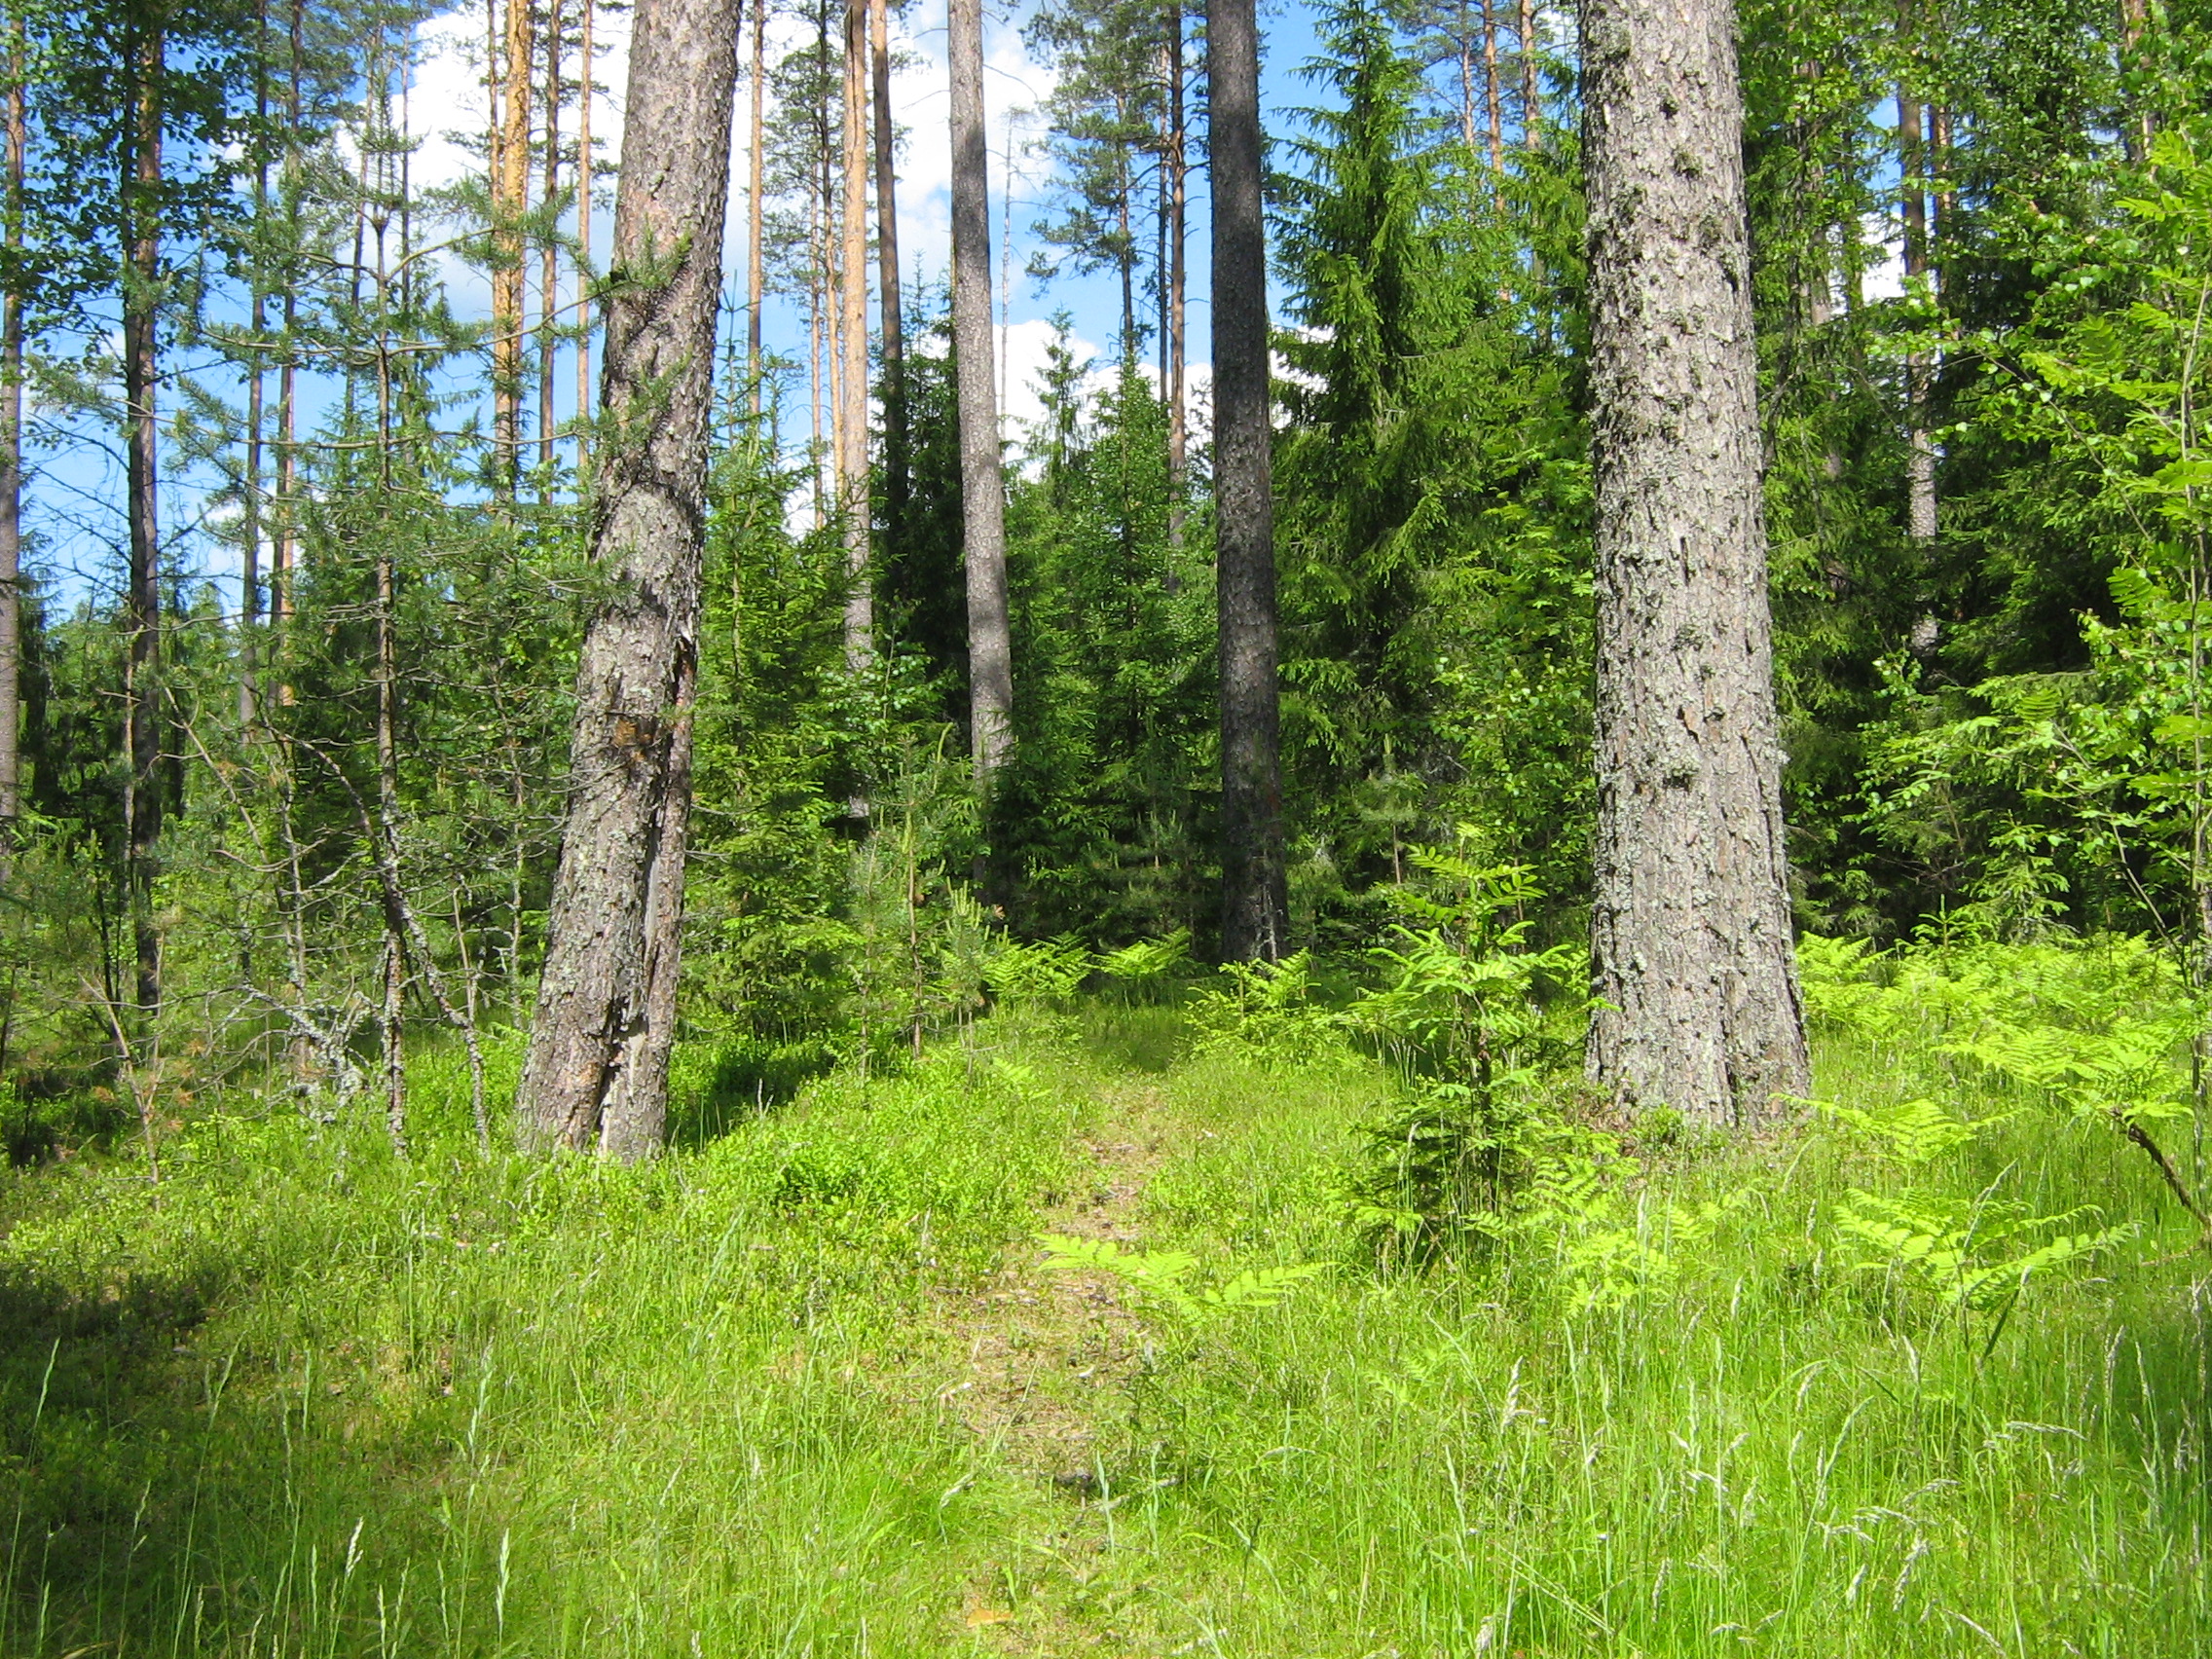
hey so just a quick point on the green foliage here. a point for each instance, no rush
(1968, 1255)
(1160, 1277)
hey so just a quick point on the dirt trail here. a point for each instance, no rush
(1049, 1353)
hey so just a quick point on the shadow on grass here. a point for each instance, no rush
(155, 1490)
(96, 1433)
(716, 1090)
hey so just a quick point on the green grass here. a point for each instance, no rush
(308, 1399)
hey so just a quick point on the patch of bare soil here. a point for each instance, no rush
(1049, 1353)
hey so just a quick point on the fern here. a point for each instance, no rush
(1967, 1260)
(1913, 1132)
(1160, 1277)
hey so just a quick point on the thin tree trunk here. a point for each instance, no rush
(1492, 96)
(756, 283)
(982, 489)
(597, 1068)
(1697, 1002)
(11, 460)
(1532, 98)
(1466, 43)
(583, 241)
(1178, 283)
(548, 272)
(257, 323)
(1254, 905)
(387, 751)
(285, 555)
(896, 462)
(142, 602)
(510, 198)
(852, 461)
(1912, 187)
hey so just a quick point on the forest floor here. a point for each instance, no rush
(813, 1387)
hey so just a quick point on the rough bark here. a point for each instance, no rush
(142, 711)
(897, 465)
(853, 513)
(990, 655)
(1254, 905)
(1690, 938)
(597, 1069)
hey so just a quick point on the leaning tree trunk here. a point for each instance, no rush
(983, 490)
(597, 1070)
(1255, 907)
(1690, 939)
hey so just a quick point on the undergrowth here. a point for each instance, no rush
(1920, 1371)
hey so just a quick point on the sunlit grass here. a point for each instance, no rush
(308, 1399)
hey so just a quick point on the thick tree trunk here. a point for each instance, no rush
(853, 513)
(896, 467)
(12, 463)
(1255, 905)
(597, 1069)
(1690, 939)
(990, 655)
(142, 600)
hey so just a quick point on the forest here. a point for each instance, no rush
(1372, 828)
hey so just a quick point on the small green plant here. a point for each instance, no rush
(1160, 1276)
(1910, 1132)
(1968, 1256)
(1463, 1017)
(1274, 1012)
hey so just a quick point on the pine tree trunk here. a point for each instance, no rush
(990, 655)
(548, 271)
(853, 512)
(1254, 905)
(1494, 101)
(597, 1069)
(142, 600)
(284, 554)
(1690, 937)
(11, 460)
(257, 325)
(897, 484)
(510, 193)
(585, 79)
(755, 270)
(1912, 182)
(1178, 180)
(1532, 100)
